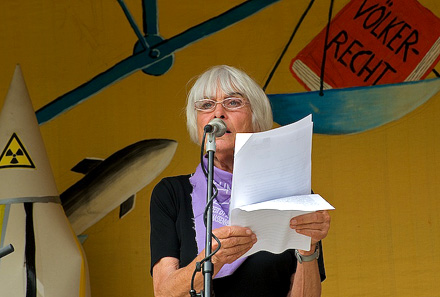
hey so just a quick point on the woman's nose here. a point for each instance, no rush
(219, 111)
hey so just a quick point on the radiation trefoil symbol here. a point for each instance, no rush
(15, 155)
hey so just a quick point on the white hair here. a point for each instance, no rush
(230, 80)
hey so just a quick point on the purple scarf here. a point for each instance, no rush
(220, 210)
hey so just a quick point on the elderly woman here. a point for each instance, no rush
(177, 204)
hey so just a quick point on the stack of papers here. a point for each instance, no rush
(272, 184)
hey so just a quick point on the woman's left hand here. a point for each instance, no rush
(315, 225)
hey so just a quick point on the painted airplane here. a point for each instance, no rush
(114, 181)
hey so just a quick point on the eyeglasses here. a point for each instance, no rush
(230, 103)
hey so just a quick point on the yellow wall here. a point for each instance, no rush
(384, 183)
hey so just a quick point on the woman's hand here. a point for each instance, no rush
(235, 242)
(315, 225)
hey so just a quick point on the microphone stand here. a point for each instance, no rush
(208, 267)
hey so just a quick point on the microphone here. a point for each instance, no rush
(6, 250)
(216, 126)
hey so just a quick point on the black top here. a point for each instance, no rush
(173, 235)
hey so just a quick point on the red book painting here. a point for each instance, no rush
(372, 42)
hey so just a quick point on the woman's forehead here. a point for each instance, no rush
(223, 95)
(222, 89)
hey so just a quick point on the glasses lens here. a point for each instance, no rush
(205, 104)
(233, 103)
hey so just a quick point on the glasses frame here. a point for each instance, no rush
(214, 102)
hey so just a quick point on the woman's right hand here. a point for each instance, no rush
(170, 280)
(235, 242)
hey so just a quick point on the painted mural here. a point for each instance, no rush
(152, 54)
(370, 43)
(109, 80)
(367, 44)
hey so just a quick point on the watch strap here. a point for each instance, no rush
(302, 258)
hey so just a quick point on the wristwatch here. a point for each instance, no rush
(302, 258)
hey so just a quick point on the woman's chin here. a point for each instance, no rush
(224, 146)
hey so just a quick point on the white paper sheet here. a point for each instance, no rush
(271, 184)
(270, 221)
